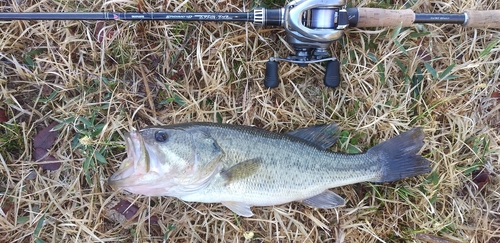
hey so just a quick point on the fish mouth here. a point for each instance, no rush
(136, 163)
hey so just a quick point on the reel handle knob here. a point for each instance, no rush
(332, 74)
(271, 79)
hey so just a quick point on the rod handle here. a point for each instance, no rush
(377, 17)
(483, 19)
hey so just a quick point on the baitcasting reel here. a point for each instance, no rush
(311, 26)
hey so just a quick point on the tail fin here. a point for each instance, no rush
(399, 156)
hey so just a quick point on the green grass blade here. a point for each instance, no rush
(488, 49)
(39, 226)
(447, 71)
(431, 70)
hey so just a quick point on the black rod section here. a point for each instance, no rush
(440, 18)
(214, 16)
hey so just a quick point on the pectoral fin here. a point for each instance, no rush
(239, 208)
(322, 135)
(241, 170)
(326, 199)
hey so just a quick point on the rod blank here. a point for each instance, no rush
(214, 16)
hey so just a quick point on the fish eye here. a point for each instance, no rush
(161, 136)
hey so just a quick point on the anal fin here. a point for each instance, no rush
(239, 208)
(326, 199)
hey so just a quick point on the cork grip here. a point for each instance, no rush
(375, 17)
(483, 19)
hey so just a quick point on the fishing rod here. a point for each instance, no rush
(311, 26)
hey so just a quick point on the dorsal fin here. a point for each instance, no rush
(322, 135)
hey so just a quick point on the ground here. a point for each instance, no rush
(92, 81)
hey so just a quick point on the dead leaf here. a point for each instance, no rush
(31, 175)
(155, 60)
(496, 94)
(40, 155)
(140, 3)
(424, 55)
(128, 210)
(46, 138)
(3, 116)
(153, 220)
(7, 206)
(100, 32)
(47, 90)
(481, 179)
(42, 143)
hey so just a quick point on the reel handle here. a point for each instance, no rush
(332, 74)
(271, 79)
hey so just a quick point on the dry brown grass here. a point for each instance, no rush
(154, 73)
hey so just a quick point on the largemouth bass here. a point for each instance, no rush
(242, 166)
